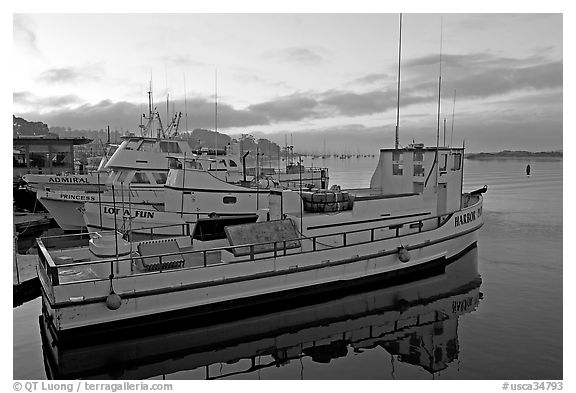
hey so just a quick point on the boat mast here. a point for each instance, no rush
(216, 115)
(439, 93)
(185, 104)
(396, 140)
(453, 109)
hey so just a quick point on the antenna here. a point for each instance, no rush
(216, 114)
(439, 94)
(396, 140)
(444, 142)
(453, 110)
(185, 104)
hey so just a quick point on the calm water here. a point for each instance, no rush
(497, 315)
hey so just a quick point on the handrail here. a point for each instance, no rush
(314, 239)
(52, 268)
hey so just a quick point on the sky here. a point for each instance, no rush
(314, 79)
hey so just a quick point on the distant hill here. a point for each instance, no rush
(23, 127)
(516, 154)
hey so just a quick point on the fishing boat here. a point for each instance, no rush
(413, 218)
(416, 322)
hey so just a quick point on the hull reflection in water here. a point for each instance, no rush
(417, 322)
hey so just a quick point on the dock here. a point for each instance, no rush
(31, 222)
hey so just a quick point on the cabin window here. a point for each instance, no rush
(418, 156)
(228, 200)
(223, 162)
(443, 162)
(397, 169)
(396, 156)
(170, 147)
(140, 177)
(173, 163)
(122, 176)
(132, 144)
(418, 170)
(418, 187)
(146, 146)
(160, 177)
(457, 161)
(232, 163)
(193, 164)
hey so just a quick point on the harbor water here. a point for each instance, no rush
(497, 314)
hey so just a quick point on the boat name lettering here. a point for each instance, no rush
(465, 218)
(462, 305)
(135, 213)
(74, 197)
(62, 179)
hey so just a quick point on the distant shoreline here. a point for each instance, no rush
(517, 155)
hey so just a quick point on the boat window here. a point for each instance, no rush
(140, 177)
(223, 162)
(232, 163)
(418, 156)
(443, 162)
(457, 161)
(396, 156)
(174, 163)
(132, 144)
(193, 164)
(146, 146)
(170, 147)
(229, 200)
(418, 170)
(397, 169)
(418, 187)
(123, 176)
(160, 177)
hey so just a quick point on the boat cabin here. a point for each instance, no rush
(434, 173)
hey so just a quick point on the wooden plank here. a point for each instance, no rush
(24, 268)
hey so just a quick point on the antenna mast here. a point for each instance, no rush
(185, 104)
(216, 115)
(439, 93)
(453, 110)
(396, 140)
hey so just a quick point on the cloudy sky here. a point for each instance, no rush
(317, 78)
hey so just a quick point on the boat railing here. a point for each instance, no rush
(256, 251)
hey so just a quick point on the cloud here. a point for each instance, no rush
(290, 108)
(71, 74)
(370, 79)
(299, 55)
(24, 33)
(482, 80)
(27, 99)
(126, 115)
(481, 75)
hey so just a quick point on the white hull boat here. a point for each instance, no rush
(290, 252)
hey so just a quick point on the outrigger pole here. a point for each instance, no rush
(396, 140)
